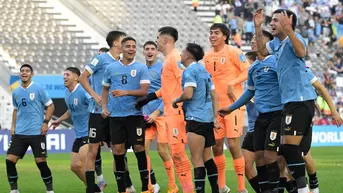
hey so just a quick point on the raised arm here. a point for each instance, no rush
(261, 43)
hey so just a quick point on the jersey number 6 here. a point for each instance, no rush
(23, 102)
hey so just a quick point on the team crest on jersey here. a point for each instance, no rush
(175, 132)
(139, 131)
(222, 60)
(32, 96)
(42, 145)
(288, 119)
(94, 62)
(266, 68)
(133, 73)
(75, 101)
(273, 135)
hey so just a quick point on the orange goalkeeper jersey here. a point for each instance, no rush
(227, 67)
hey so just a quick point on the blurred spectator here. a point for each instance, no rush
(195, 4)
(218, 18)
(249, 30)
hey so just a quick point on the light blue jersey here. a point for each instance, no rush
(155, 72)
(96, 67)
(294, 85)
(30, 104)
(120, 77)
(263, 81)
(199, 108)
(78, 102)
(252, 115)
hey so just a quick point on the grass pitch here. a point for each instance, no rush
(329, 163)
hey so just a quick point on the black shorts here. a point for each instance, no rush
(78, 143)
(20, 143)
(305, 144)
(129, 130)
(267, 131)
(248, 142)
(99, 129)
(297, 118)
(203, 129)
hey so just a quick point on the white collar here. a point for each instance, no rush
(77, 85)
(264, 58)
(27, 86)
(191, 64)
(111, 55)
(128, 64)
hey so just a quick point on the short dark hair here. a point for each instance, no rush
(26, 65)
(74, 70)
(127, 39)
(251, 55)
(267, 34)
(196, 51)
(289, 13)
(168, 30)
(112, 36)
(104, 49)
(149, 43)
(223, 28)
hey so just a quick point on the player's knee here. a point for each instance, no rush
(12, 158)
(270, 157)
(40, 159)
(74, 168)
(138, 148)
(162, 150)
(259, 158)
(177, 152)
(218, 149)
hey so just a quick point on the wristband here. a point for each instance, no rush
(46, 121)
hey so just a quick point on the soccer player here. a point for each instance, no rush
(248, 142)
(200, 103)
(98, 126)
(77, 100)
(229, 68)
(174, 118)
(125, 80)
(297, 93)
(153, 112)
(264, 86)
(29, 128)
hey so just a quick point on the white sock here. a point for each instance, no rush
(100, 178)
(50, 191)
(303, 190)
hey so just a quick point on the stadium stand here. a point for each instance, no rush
(142, 20)
(31, 34)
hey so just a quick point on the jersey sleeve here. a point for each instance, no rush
(94, 65)
(250, 82)
(145, 76)
(161, 107)
(301, 39)
(271, 45)
(189, 78)
(107, 79)
(45, 97)
(87, 98)
(311, 77)
(14, 102)
(241, 62)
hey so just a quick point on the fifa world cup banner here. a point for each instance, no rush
(327, 136)
(57, 141)
(52, 83)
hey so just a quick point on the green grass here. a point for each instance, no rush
(329, 162)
